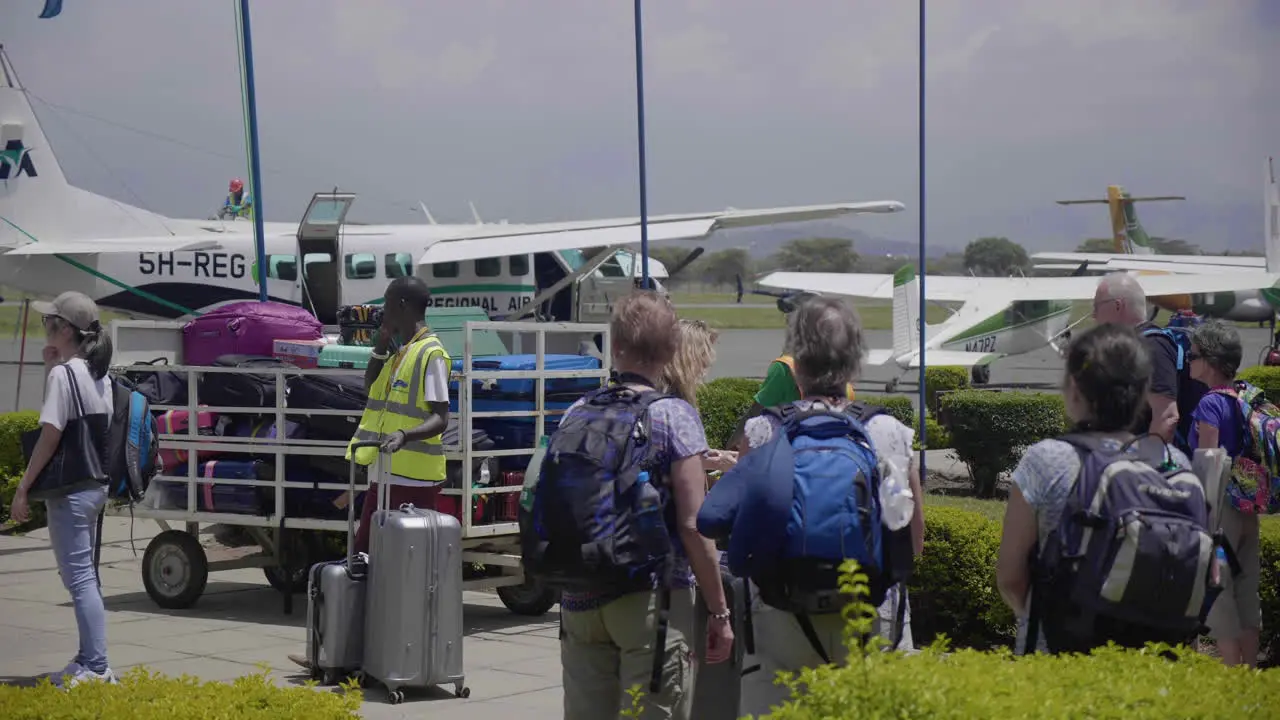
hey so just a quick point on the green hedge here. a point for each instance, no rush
(990, 429)
(954, 588)
(143, 695)
(12, 465)
(943, 379)
(1265, 377)
(722, 403)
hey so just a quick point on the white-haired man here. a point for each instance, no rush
(1173, 394)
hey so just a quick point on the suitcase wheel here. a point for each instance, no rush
(395, 697)
(462, 691)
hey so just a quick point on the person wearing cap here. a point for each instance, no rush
(77, 355)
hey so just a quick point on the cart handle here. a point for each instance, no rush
(365, 444)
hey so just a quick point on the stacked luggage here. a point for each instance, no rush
(269, 336)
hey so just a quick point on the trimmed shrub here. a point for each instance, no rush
(723, 403)
(143, 695)
(990, 429)
(1265, 377)
(12, 426)
(953, 589)
(942, 379)
(1269, 585)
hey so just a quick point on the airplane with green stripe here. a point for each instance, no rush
(996, 316)
(56, 237)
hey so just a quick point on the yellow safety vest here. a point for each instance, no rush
(791, 363)
(396, 403)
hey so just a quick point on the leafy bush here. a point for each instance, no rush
(12, 426)
(942, 379)
(1265, 377)
(722, 403)
(898, 406)
(12, 465)
(1269, 585)
(143, 695)
(990, 429)
(1109, 682)
(953, 589)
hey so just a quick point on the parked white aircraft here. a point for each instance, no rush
(997, 317)
(56, 237)
(1134, 252)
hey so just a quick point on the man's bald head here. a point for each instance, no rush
(1120, 300)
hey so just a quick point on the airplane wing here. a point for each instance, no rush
(1110, 260)
(1139, 263)
(480, 242)
(109, 245)
(945, 288)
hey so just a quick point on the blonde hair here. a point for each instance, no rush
(694, 356)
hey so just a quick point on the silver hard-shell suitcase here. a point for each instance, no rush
(413, 634)
(336, 594)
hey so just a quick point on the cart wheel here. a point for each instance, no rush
(528, 598)
(395, 697)
(174, 570)
(302, 552)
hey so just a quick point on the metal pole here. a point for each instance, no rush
(644, 193)
(255, 166)
(923, 214)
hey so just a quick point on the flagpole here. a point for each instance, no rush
(921, 274)
(644, 192)
(255, 165)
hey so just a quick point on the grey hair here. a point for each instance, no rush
(1219, 345)
(1122, 286)
(827, 344)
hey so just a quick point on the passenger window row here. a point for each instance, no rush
(364, 266)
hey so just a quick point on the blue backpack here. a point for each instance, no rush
(1180, 336)
(834, 514)
(133, 456)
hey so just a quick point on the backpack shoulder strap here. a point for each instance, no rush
(862, 412)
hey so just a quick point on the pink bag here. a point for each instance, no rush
(176, 422)
(246, 328)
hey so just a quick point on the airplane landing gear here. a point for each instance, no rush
(891, 385)
(980, 374)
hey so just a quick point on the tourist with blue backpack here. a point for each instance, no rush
(608, 520)
(1106, 534)
(850, 467)
(1238, 418)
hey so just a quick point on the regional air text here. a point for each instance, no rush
(488, 303)
(198, 264)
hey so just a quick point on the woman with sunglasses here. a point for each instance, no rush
(77, 355)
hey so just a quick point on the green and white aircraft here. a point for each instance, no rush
(996, 317)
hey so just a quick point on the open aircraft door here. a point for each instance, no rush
(320, 254)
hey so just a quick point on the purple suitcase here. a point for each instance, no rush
(246, 328)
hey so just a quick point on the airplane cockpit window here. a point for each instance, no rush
(519, 265)
(573, 258)
(282, 267)
(488, 267)
(1026, 311)
(612, 268)
(362, 266)
(399, 265)
(445, 270)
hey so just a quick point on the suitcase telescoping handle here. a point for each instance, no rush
(351, 497)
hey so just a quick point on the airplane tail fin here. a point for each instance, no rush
(1126, 230)
(906, 311)
(35, 198)
(1272, 220)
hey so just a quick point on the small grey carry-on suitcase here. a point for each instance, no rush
(717, 689)
(413, 632)
(335, 607)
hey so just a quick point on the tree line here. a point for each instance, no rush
(985, 257)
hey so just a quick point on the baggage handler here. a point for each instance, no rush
(408, 406)
(407, 410)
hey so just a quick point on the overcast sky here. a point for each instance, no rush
(528, 108)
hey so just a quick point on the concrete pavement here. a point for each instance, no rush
(512, 664)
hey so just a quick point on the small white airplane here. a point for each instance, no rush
(56, 237)
(996, 317)
(1134, 252)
